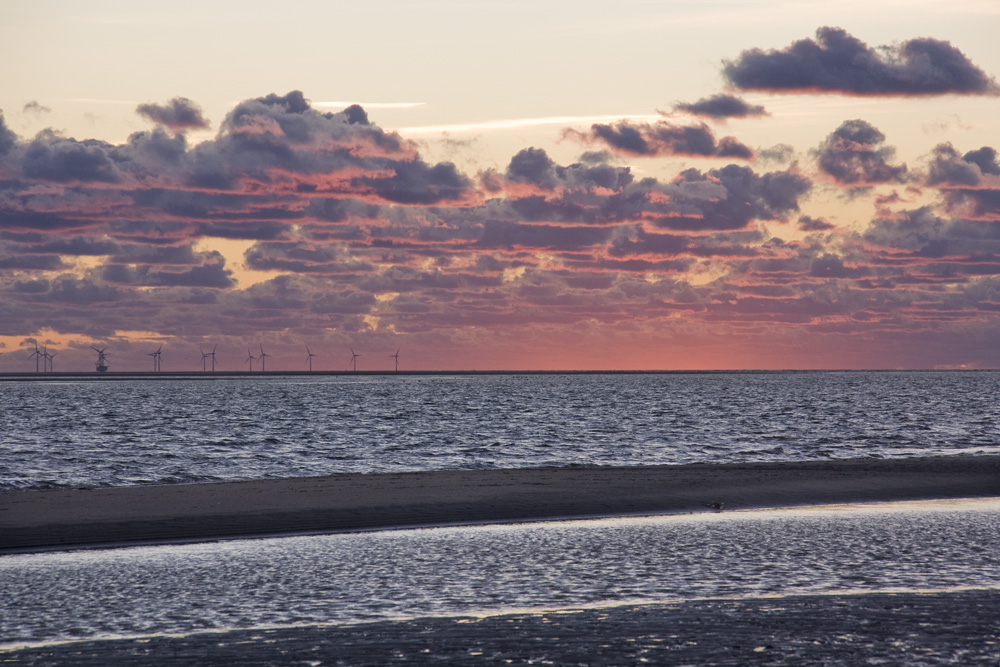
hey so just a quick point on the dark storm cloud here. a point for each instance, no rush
(978, 203)
(986, 159)
(924, 234)
(663, 138)
(417, 182)
(290, 120)
(534, 166)
(949, 168)
(748, 196)
(838, 62)
(50, 157)
(640, 242)
(721, 106)
(213, 275)
(854, 154)
(720, 199)
(179, 113)
(277, 137)
(356, 115)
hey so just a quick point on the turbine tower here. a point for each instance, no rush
(47, 359)
(36, 355)
(102, 359)
(250, 358)
(396, 357)
(309, 358)
(156, 359)
(354, 359)
(205, 356)
(263, 359)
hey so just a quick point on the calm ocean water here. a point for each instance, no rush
(82, 433)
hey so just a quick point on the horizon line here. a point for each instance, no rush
(168, 375)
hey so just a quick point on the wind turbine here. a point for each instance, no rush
(263, 359)
(156, 358)
(47, 359)
(354, 359)
(102, 359)
(250, 358)
(396, 357)
(36, 355)
(205, 356)
(309, 358)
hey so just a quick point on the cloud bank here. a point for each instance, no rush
(348, 236)
(835, 61)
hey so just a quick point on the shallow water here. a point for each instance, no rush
(89, 433)
(494, 569)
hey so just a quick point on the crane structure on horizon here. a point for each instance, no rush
(102, 359)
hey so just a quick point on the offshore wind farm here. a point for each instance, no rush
(206, 364)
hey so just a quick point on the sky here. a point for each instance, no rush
(542, 185)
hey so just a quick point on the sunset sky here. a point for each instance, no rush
(501, 185)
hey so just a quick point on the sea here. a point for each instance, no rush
(80, 433)
(72, 433)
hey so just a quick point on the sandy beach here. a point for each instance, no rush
(59, 519)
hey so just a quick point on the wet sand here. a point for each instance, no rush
(897, 629)
(60, 519)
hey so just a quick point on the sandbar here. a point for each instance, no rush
(36, 520)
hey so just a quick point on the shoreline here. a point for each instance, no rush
(45, 520)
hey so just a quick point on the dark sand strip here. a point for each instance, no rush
(895, 629)
(33, 520)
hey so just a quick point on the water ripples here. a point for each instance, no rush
(86, 433)
(453, 571)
